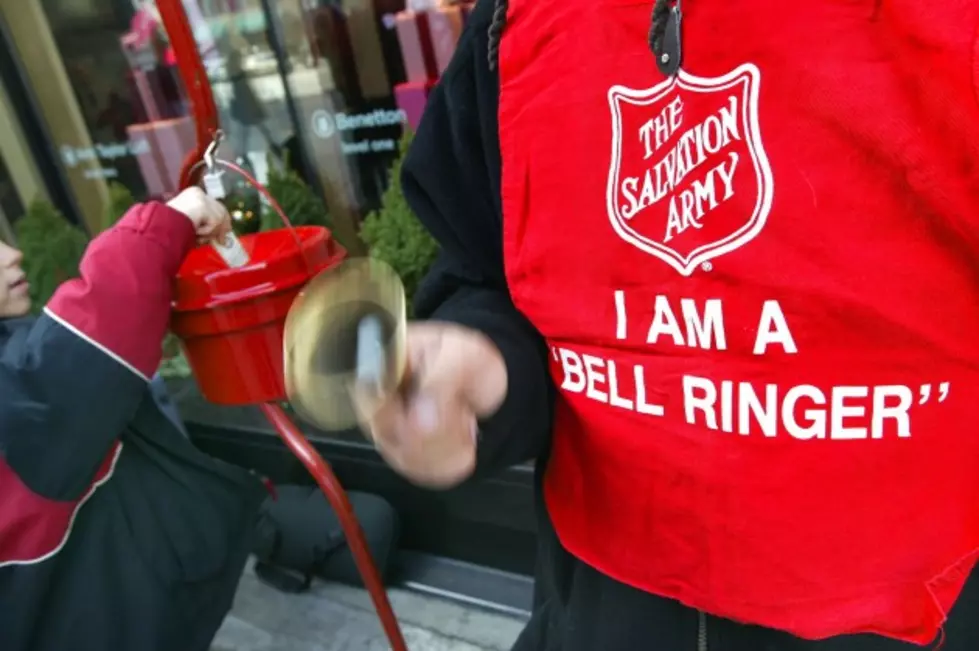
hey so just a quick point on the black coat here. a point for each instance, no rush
(116, 533)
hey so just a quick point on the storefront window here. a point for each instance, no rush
(10, 203)
(108, 95)
(248, 89)
(327, 86)
(116, 63)
(342, 61)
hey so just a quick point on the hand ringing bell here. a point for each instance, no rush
(344, 342)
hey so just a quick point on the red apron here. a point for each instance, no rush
(760, 284)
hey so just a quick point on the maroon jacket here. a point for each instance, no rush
(115, 532)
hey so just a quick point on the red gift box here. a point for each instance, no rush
(445, 28)
(416, 46)
(411, 98)
(160, 148)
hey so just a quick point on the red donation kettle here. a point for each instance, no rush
(231, 320)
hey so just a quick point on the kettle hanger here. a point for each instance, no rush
(665, 36)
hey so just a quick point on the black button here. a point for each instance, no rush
(669, 57)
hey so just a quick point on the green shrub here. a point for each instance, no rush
(393, 233)
(52, 247)
(174, 364)
(301, 204)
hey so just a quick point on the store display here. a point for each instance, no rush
(365, 41)
(411, 97)
(445, 27)
(416, 45)
(168, 141)
(428, 31)
(150, 60)
(332, 41)
(145, 68)
(384, 12)
(343, 62)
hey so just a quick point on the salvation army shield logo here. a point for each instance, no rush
(689, 179)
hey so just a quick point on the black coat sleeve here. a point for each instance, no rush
(71, 382)
(451, 179)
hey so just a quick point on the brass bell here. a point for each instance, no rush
(345, 332)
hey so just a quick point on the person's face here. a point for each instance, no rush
(15, 298)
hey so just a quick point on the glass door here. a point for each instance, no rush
(11, 206)
(341, 61)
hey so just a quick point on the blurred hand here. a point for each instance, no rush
(427, 433)
(208, 215)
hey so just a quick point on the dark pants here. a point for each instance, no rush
(595, 613)
(578, 608)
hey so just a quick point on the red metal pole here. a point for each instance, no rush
(337, 497)
(195, 80)
(205, 113)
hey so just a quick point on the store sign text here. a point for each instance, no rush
(102, 151)
(325, 125)
(73, 156)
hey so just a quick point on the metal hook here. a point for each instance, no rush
(209, 158)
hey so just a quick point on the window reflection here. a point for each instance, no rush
(115, 62)
(342, 83)
(326, 86)
(245, 79)
(10, 204)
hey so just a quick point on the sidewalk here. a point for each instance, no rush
(338, 618)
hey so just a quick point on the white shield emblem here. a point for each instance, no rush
(689, 179)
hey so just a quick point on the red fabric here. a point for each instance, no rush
(122, 300)
(826, 154)
(34, 527)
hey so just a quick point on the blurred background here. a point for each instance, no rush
(324, 89)
(318, 98)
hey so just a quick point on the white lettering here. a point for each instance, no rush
(629, 188)
(664, 323)
(708, 331)
(816, 418)
(766, 415)
(593, 368)
(803, 412)
(699, 394)
(773, 330)
(840, 411)
(727, 410)
(375, 118)
(574, 373)
(896, 412)
(690, 151)
(613, 389)
(642, 406)
(700, 198)
(661, 127)
(703, 330)
(589, 374)
(620, 314)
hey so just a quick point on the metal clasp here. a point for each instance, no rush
(209, 154)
